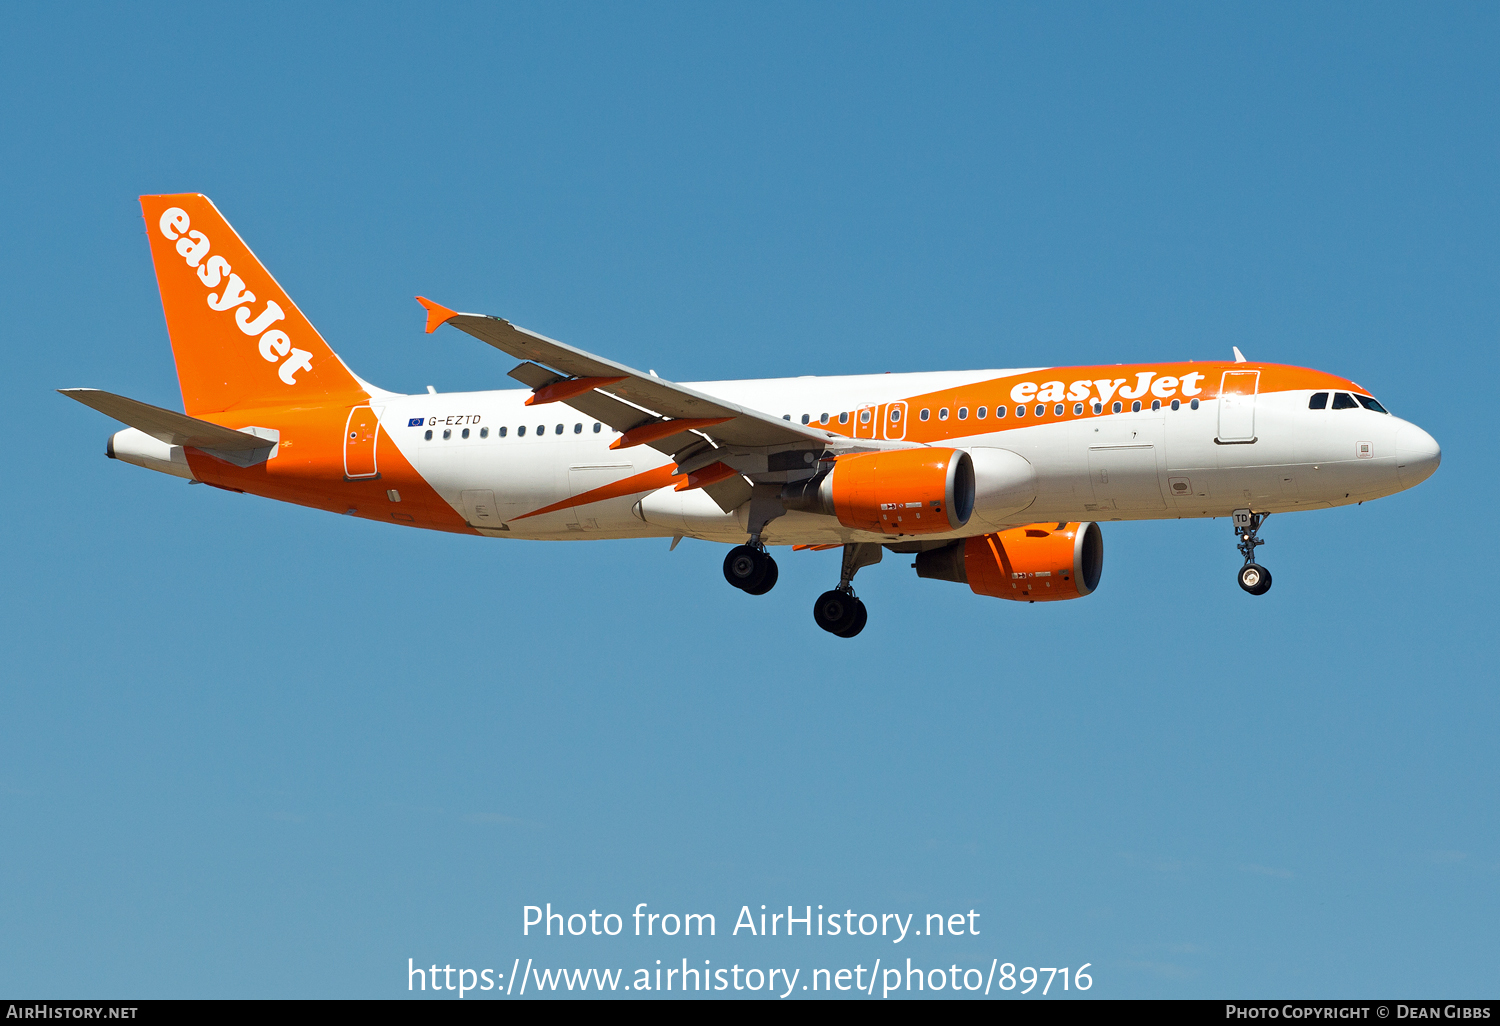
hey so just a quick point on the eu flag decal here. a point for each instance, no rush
(414, 422)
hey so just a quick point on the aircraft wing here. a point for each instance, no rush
(167, 425)
(624, 398)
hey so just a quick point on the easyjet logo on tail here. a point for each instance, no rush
(275, 345)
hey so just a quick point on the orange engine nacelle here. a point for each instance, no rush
(899, 492)
(1035, 563)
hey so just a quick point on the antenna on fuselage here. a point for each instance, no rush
(1239, 357)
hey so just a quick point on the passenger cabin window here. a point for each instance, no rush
(963, 413)
(484, 432)
(806, 418)
(1370, 404)
(844, 418)
(1135, 407)
(521, 431)
(447, 433)
(943, 413)
(864, 416)
(822, 418)
(1117, 407)
(1020, 411)
(1077, 409)
(895, 414)
(1176, 405)
(597, 427)
(1319, 401)
(466, 432)
(1193, 405)
(925, 414)
(981, 413)
(578, 428)
(1344, 401)
(501, 432)
(427, 436)
(1041, 409)
(1057, 411)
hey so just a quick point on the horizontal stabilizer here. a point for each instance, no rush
(167, 425)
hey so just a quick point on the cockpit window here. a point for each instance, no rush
(1344, 401)
(1369, 403)
(1319, 401)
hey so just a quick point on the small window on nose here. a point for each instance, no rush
(1344, 401)
(1319, 401)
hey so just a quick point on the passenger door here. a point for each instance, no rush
(1237, 406)
(361, 435)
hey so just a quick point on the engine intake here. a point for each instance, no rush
(1035, 563)
(898, 492)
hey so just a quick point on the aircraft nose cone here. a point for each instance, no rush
(1417, 455)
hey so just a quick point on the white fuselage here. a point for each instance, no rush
(488, 447)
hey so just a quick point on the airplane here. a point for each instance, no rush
(997, 479)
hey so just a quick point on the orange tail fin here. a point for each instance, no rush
(238, 339)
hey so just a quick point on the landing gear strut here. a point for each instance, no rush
(749, 567)
(840, 611)
(1253, 577)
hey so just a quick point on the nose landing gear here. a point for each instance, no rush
(1253, 577)
(840, 612)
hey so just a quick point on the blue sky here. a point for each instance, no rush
(248, 749)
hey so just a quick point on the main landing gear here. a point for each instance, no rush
(751, 569)
(1253, 577)
(840, 611)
